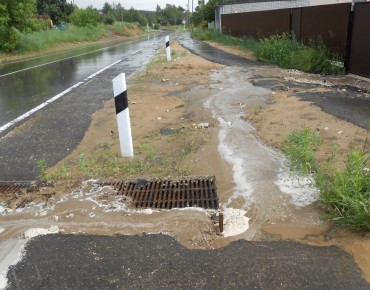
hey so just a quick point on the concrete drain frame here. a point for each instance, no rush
(171, 192)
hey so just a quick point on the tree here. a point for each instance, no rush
(173, 14)
(205, 12)
(57, 10)
(107, 8)
(14, 16)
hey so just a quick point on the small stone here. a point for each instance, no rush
(203, 125)
(159, 118)
(340, 132)
(326, 128)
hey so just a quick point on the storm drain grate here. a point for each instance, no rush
(169, 192)
(11, 187)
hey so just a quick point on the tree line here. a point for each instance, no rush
(26, 16)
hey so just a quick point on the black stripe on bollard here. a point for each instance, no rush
(167, 44)
(121, 102)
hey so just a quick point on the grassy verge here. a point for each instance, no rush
(149, 159)
(281, 50)
(345, 192)
(244, 43)
(46, 40)
(285, 52)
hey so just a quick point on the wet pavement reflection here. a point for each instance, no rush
(26, 84)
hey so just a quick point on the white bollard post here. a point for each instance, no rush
(168, 48)
(123, 115)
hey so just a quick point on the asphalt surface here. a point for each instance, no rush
(159, 262)
(56, 130)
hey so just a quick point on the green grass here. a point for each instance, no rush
(286, 52)
(299, 147)
(277, 49)
(45, 39)
(345, 193)
(244, 43)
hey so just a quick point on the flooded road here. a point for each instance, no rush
(26, 84)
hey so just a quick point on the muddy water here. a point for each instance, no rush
(272, 196)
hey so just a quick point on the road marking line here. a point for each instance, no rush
(39, 107)
(40, 65)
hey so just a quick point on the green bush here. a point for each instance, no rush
(109, 19)
(38, 24)
(85, 17)
(9, 39)
(346, 193)
(277, 49)
(286, 52)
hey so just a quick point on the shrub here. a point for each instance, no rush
(277, 49)
(286, 52)
(85, 17)
(109, 19)
(9, 39)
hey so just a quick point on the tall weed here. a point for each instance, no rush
(284, 51)
(299, 147)
(346, 193)
(277, 49)
(44, 39)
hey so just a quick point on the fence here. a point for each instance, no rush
(359, 50)
(331, 24)
(256, 24)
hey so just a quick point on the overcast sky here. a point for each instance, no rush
(137, 4)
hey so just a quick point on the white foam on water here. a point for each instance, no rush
(302, 189)
(235, 222)
(242, 186)
(35, 232)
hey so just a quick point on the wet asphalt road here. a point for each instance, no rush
(56, 130)
(159, 262)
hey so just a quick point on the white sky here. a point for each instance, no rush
(137, 4)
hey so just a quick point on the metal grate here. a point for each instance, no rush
(169, 192)
(9, 187)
